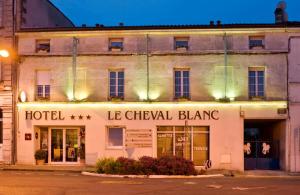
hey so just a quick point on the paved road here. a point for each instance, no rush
(31, 183)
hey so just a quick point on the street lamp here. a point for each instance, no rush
(4, 53)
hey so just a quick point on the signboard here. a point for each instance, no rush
(27, 136)
(138, 138)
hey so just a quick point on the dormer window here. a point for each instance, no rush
(181, 43)
(42, 46)
(256, 42)
(116, 44)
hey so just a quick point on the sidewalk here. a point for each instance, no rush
(62, 168)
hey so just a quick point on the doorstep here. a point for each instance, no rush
(62, 168)
(267, 174)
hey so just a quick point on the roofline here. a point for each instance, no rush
(164, 27)
(55, 7)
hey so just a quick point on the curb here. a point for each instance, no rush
(268, 176)
(151, 176)
(43, 170)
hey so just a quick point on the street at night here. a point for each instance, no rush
(25, 183)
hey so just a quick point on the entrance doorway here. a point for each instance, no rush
(63, 144)
(262, 142)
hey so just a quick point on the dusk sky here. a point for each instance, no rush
(157, 12)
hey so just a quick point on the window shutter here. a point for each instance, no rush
(43, 77)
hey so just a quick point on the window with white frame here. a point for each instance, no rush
(181, 43)
(182, 84)
(43, 85)
(115, 137)
(115, 44)
(256, 82)
(256, 42)
(116, 84)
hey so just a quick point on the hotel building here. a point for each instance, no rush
(216, 94)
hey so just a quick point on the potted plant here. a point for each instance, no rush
(40, 156)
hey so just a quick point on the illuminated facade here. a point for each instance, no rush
(212, 94)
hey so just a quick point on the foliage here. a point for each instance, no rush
(166, 165)
(40, 154)
(108, 166)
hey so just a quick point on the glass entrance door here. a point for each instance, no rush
(57, 145)
(72, 145)
(65, 145)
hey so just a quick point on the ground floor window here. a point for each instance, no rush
(115, 137)
(190, 142)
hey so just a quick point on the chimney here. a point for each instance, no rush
(280, 13)
(219, 22)
(212, 23)
(121, 24)
(83, 25)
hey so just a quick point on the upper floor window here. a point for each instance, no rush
(42, 46)
(43, 85)
(256, 81)
(182, 84)
(181, 43)
(116, 84)
(256, 42)
(116, 44)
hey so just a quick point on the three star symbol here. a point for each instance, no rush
(80, 117)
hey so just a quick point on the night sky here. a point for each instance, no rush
(159, 12)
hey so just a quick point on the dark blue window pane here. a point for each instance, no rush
(261, 80)
(177, 74)
(260, 73)
(121, 75)
(112, 75)
(251, 73)
(185, 73)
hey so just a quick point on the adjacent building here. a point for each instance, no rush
(216, 94)
(15, 15)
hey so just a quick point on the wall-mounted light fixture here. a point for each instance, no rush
(22, 96)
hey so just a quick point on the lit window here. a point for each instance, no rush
(256, 42)
(115, 137)
(256, 82)
(116, 84)
(43, 46)
(190, 142)
(43, 85)
(182, 84)
(181, 43)
(116, 44)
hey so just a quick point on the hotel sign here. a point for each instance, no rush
(163, 115)
(131, 115)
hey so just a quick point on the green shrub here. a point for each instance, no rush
(129, 166)
(40, 154)
(108, 166)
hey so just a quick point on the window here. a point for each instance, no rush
(43, 46)
(182, 84)
(181, 43)
(116, 84)
(115, 137)
(116, 44)
(189, 142)
(43, 85)
(256, 42)
(256, 81)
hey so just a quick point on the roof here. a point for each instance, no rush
(164, 27)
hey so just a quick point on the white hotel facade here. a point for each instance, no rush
(221, 94)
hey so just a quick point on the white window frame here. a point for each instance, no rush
(107, 137)
(181, 39)
(116, 84)
(255, 38)
(118, 40)
(256, 70)
(181, 83)
(44, 96)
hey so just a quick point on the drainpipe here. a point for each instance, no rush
(74, 65)
(147, 62)
(288, 105)
(14, 86)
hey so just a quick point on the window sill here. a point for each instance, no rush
(257, 98)
(114, 148)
